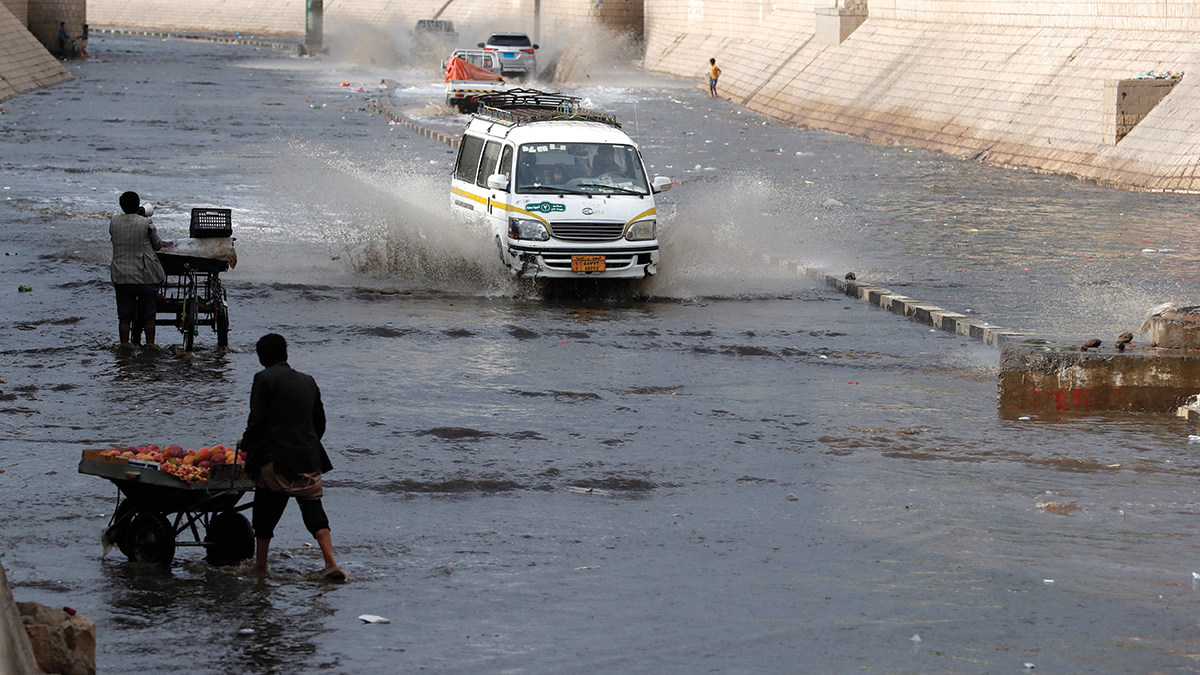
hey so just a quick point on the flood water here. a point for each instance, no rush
(725, 469)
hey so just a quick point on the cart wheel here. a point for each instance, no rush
(230, 539)
(120, 527)
(190, 311)
(151, 539)
(222, 324)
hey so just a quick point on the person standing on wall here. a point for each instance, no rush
(713, 73)
(135, 270)
(284, 454)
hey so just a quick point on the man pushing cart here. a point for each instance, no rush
(179, 279)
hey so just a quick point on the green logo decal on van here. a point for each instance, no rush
(545, 207)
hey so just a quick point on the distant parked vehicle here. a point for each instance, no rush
(518, 56)
(434, 36)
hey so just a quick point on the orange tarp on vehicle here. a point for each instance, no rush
(458, 69)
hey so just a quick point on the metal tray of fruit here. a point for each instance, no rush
(144, 482)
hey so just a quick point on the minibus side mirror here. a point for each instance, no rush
(661, 184)
(499, 181)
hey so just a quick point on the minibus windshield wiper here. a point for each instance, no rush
(552, 189)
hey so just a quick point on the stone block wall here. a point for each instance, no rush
(1171, 15)
(24, 62)
(473, 18)
(270, 17)
(45, 15)
(19, 9)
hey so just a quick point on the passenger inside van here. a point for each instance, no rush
(528, 174)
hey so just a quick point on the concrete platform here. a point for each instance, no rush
(1042, 378)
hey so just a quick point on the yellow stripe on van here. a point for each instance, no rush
(498, 204)
(648, 212)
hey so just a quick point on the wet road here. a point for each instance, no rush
(741, 473)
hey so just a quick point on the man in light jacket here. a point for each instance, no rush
(136, 272)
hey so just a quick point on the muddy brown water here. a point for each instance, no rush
(726, 470)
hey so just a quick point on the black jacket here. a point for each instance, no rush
(286, 423)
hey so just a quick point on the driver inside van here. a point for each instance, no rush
(604, 163)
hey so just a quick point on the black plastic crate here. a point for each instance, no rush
(211, 223)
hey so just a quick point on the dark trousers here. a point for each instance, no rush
(269, 506)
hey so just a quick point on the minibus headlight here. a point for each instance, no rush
(527, 228)
(642, 230)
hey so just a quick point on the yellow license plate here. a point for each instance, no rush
(587, 263)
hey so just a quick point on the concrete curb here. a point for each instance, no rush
(398, 118)
(296, 45)
(922, 312)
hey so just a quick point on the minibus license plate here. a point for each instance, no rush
(587, 263)
(509, 55)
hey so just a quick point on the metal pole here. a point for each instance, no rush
(537, 21)
(314, 26)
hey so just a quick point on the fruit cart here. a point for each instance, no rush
(156, 511)
(192, 295)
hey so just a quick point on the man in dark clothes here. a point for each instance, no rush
(63, 38)
(284, 454)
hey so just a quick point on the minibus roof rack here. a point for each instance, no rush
(522, 106)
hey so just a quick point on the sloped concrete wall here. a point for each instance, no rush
(16, 654)
(24, 62)
(1012, 83)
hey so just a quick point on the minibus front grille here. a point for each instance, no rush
(571, 231)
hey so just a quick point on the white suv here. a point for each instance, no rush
(518, 56)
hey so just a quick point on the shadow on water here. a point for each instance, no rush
(250, 624)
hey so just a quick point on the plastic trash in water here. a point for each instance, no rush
(915, 638)
(1192, 438)
(24, 288)
(372, 618)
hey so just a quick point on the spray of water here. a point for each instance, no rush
(589, 50)
(745, 235)
(383, 219)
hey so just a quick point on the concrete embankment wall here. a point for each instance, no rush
(1016, 82)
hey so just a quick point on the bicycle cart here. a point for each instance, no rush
(155, 508)
(192, 294)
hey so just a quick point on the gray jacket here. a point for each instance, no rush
(134, 241)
